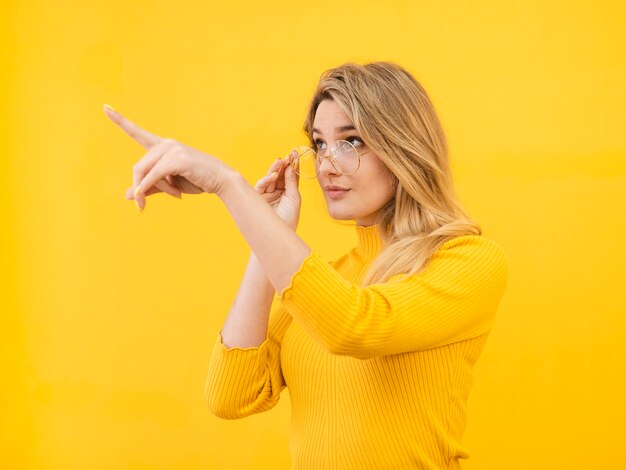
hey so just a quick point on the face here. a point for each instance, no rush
(368, 189)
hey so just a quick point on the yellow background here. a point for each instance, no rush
(109, 315)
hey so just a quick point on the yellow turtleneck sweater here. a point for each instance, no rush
(378, 376)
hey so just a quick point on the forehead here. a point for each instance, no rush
(330, 118)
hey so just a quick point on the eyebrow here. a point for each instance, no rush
(340, 129)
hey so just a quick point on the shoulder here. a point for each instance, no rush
(475, 255)
(478, 244)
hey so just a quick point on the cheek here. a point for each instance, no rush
(375, 182)
(383, 192)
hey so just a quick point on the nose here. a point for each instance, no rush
(326, 166)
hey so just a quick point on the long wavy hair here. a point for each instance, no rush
(397, 120)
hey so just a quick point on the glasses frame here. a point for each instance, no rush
(329, 156)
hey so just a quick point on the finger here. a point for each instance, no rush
(262, 185)
(274, 167)
(143, 166)
(166, 187)
(161, 187)
(162, 168)
(291, 184)
(152, 190)
(143, 137)
(274, 196)
(293, 156)
(280, 179)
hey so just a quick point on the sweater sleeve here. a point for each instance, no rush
(454, 298)
(244, 381)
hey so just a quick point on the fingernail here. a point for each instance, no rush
(109, 107)
(273, 173)
(136, 191)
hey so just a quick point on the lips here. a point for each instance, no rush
(335, 192)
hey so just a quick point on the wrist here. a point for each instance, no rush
(237, 194)
(229, 180)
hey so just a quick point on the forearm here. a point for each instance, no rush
(278, 248)
(246, 324)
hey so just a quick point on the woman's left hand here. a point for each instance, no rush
(169, 165)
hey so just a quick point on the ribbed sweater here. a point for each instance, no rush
(378, 376)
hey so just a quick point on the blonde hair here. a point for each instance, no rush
(397, 120)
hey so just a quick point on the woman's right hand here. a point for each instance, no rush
(280, 190)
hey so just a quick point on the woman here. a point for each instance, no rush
(376, 347)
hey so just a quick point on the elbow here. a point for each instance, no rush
(216, 407)
(223, 413)
(232, 406)
(220, 409)
(219, 404)
(220, 412)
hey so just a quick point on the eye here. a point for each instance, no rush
(317, 143)
(356, 141)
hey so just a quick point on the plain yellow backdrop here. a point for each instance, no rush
(109, 315)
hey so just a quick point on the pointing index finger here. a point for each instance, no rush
(144, 138)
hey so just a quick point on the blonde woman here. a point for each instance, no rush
(376, 347)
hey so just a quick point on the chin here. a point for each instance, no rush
(339, 214)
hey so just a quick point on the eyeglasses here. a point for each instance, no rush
(343, 155)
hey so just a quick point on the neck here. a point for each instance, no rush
(369, 242)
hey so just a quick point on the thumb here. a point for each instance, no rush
(291, 183)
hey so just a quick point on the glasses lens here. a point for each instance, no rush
(304, 164)
(346, 156)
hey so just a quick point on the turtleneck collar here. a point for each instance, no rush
(369, 242)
